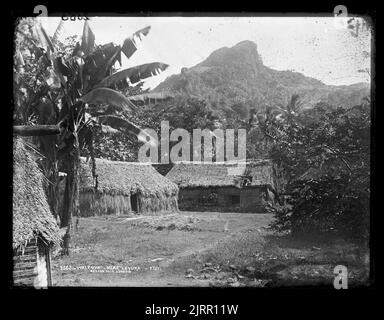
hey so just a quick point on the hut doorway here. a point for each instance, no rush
(134, 204)
(235, 200)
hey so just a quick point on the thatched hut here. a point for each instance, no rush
(125, 188)
(34, 227)
(224, 186)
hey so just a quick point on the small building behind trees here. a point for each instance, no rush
(35, 230)
(125, 188)
(224, 186)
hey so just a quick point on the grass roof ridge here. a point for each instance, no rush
(217, 175)
(124, 178)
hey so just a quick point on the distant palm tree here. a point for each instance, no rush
(273, 115)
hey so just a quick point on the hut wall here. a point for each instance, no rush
(192, 198)
(31, 267)
(93, 204)
(227, 196)
(226, 199)
(24, 265)
(96, 204)
(156, 204)
(251, 199)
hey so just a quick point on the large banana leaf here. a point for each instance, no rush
(108, 96)
(116, 57)
(58, 30)
(61, 66)
(126, 127)
(129, 46)
(105, 69)
(88, 39)
(108, 129)
(119, 124)
(134, 74)
(159, 96)
(19, 59)
(76, 49)
(42, 36)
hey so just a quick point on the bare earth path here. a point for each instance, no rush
(105, 249)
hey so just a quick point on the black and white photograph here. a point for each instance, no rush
(192, 151)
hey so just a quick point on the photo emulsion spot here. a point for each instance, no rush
(192, 151)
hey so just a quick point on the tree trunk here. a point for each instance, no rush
(37, 130)
(71, 195)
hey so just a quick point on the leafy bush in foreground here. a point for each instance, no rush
(325, 154)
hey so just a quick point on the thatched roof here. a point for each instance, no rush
(124, 178)
(31, 213)
(192, 174)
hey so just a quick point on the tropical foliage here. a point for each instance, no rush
(325, 154)
(72, 84)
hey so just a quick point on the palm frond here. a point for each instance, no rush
(108, 96)
(58, 30)
(126, 126)
(88, 39)
(44, 37)
(151, 95)
(119, 123)
(108, 129)
(116, 57)
(106, 68)
(19, 58)
(134, 74)
(129, 45)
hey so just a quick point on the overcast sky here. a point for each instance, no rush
(317, 47)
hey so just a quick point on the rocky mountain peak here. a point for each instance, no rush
(244, 52)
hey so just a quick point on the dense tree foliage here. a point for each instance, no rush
(180, 112)
(325, 154)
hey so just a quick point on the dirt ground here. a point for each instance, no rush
(200, 249)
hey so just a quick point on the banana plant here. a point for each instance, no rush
(79, 92)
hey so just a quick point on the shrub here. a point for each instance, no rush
(328, 205)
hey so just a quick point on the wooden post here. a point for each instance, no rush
(38, 130)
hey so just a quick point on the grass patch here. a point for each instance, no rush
(170, 222)
(281, 259)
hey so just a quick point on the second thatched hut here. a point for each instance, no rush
(125, 188)
(225, 186)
